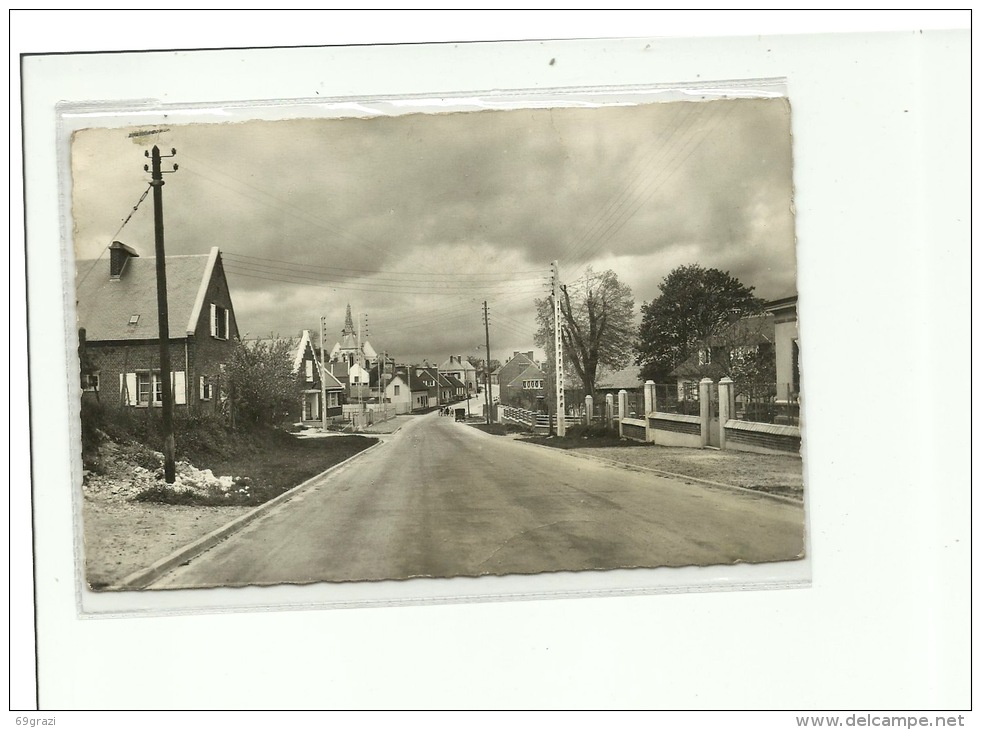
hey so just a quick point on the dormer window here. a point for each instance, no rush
(134, 320)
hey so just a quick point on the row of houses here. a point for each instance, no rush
(118, 331)
(119, 348)
(765, 346)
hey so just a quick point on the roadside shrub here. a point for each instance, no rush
(201, 433)
(93, 425)
(592, 431)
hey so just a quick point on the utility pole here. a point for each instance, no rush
(360, 354)
(559, 364)
(163, 320)
(487, 387)
(323, 375)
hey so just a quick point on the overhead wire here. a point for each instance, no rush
(639, 166)
(115, 235)
(655, 184)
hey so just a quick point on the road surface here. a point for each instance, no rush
(441, 498)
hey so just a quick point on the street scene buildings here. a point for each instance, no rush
(490, 343)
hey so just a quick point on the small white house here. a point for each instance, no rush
(398, 394)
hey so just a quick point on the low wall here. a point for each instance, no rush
(762, 438)
(635, 429)
(676, 429)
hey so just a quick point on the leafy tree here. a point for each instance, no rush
(695, 303)
(263, 388)
(478, 362)
(597, 326)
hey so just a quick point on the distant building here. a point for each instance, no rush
(462, 370)
(522, 380)
(347, 349)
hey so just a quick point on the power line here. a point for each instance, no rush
(289, 277)
(305, 266)
(651, 187)
(116, 234)
(640, 163)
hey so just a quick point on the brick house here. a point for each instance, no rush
(522, 380)
(308, 369)
(117, 319)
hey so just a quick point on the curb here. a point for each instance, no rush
(669, 474)
(143, 578)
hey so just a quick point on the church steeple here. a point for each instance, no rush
(348, 323)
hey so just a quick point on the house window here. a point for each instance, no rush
(396, 391)
(134, 319)
(219, 322)
(532, 384)
(332, 400)
(90, 381)
(206, 388)
(309, 366)
(705, 356)
(145, 388)
(148, 389)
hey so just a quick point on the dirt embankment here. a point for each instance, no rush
(122, 536)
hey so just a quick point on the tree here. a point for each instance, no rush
(478, 362)
(263, 388)
(597, 326)
(695, 303)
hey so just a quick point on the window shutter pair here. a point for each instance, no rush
(216, 331)
(128, 394)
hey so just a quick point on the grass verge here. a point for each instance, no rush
(271, 462)
(582, 437)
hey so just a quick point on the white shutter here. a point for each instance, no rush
(227, 332)
(201, 388)
(180, 388)
(132, 395)
(214, 321)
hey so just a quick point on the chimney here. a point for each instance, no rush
(119, 254)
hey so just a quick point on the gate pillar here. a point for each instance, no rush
(727, 407)
(705, 407)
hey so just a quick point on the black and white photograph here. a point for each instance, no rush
(431, 345)
(478, 360)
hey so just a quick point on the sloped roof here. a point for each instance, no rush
(106, 305)
(744, 332)
(532, 372)
(457, 362)
(453, 380)
(627, 378)
(331, 382)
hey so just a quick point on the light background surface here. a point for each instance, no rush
(881, 127)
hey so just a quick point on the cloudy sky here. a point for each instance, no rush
(416, 220)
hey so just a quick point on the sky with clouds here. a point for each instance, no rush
(416, 220)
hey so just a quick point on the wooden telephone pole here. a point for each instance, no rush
(487, 372)
(322, 365)
(559, 359)
(163, 320)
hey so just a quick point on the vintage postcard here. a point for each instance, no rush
(434, 345)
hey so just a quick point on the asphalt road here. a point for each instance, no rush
(441, 499)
